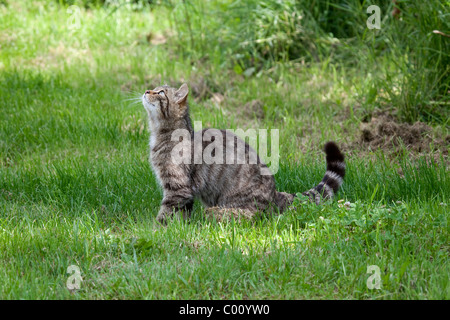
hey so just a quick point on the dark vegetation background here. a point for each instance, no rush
(409, 59)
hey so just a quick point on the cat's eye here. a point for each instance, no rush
(162, 93)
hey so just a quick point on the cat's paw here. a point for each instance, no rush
(165, 215)
(162, 218)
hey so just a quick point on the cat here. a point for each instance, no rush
(226, 189)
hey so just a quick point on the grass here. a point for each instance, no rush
(76, 187)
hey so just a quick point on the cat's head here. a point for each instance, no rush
(165, 103)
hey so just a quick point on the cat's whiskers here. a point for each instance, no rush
(134, 98)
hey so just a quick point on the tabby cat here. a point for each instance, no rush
(231, 189)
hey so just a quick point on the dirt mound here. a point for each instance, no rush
(204, 88)
(254, 108)
(199, 88)
(383, 132)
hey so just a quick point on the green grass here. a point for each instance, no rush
(76, 187)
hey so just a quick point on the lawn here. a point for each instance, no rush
(77, 189)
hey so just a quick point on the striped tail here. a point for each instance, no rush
(333, 176)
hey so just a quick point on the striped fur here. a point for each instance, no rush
(333, 177)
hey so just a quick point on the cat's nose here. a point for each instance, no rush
(147, 92)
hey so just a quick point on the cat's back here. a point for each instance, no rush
(230, 170)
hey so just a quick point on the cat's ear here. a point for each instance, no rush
(181, 94)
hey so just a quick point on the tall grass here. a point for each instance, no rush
(409, 63)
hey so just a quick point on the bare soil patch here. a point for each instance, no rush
(385, 133)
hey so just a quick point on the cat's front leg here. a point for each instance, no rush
(164, 214)
(175, 204)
